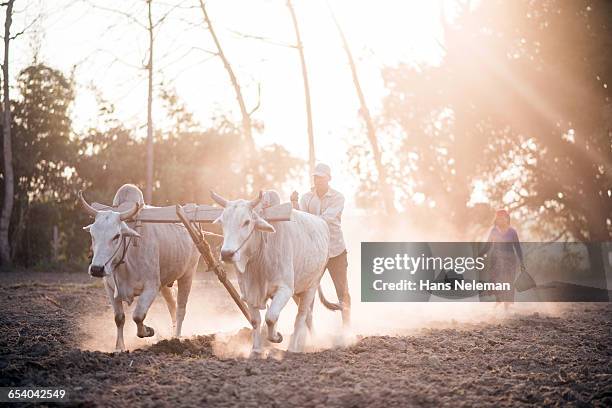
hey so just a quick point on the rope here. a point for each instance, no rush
(121, 261)
(245, 241)
(122, 243)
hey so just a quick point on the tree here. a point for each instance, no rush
(247, 127)
(148, 196)
(150, 26)
(300, 47)
(44, 172)
(564, 66)
(8, 178)
(383, 185)
(521, 102)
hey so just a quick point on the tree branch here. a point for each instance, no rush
(246, 120)
(26, 28)
(162, 18)
(122, 13)
(258, 100)
(262, 39)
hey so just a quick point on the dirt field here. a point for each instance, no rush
(49, 320)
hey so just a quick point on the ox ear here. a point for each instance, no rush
(126, 231)
(263, 225)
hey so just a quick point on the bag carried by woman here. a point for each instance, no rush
(524, 281)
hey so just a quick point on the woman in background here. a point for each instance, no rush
(505, 249)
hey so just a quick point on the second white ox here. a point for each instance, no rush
(280, 262)
(165, 253)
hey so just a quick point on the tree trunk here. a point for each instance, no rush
(596, 263)
(595, 257)
(300, 48)
(387, 192)
(598, 234)
(246, 117)
(149, 176)
(16, 235)
(9, 188)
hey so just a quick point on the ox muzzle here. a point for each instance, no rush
(227, 255)
(97, 271)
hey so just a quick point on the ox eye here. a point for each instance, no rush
(116, 237)
(246, 223)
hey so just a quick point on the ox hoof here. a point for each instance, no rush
(256, 354)
(149, 332)
(277, 339)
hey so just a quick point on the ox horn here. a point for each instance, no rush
(127, 214)
(253, 203)
(218, 199)
(88, 208)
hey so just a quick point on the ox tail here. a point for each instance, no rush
(327, 303)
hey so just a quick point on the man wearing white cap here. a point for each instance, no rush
(327, 203)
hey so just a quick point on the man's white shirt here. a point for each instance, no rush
(329, 207)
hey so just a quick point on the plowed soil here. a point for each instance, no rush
(523, 360)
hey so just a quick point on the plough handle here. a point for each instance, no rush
(204, 248)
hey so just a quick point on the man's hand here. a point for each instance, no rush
(294, 200)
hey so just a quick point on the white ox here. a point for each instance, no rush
(278, 262)
(163, 254)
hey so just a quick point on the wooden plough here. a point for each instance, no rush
(190, 215)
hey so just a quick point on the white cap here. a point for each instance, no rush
(322, 170)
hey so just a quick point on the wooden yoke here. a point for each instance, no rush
(194, 212)
(217, 268)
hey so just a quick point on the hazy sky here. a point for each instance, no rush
(108, 51)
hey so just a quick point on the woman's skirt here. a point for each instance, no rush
(503, 269)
